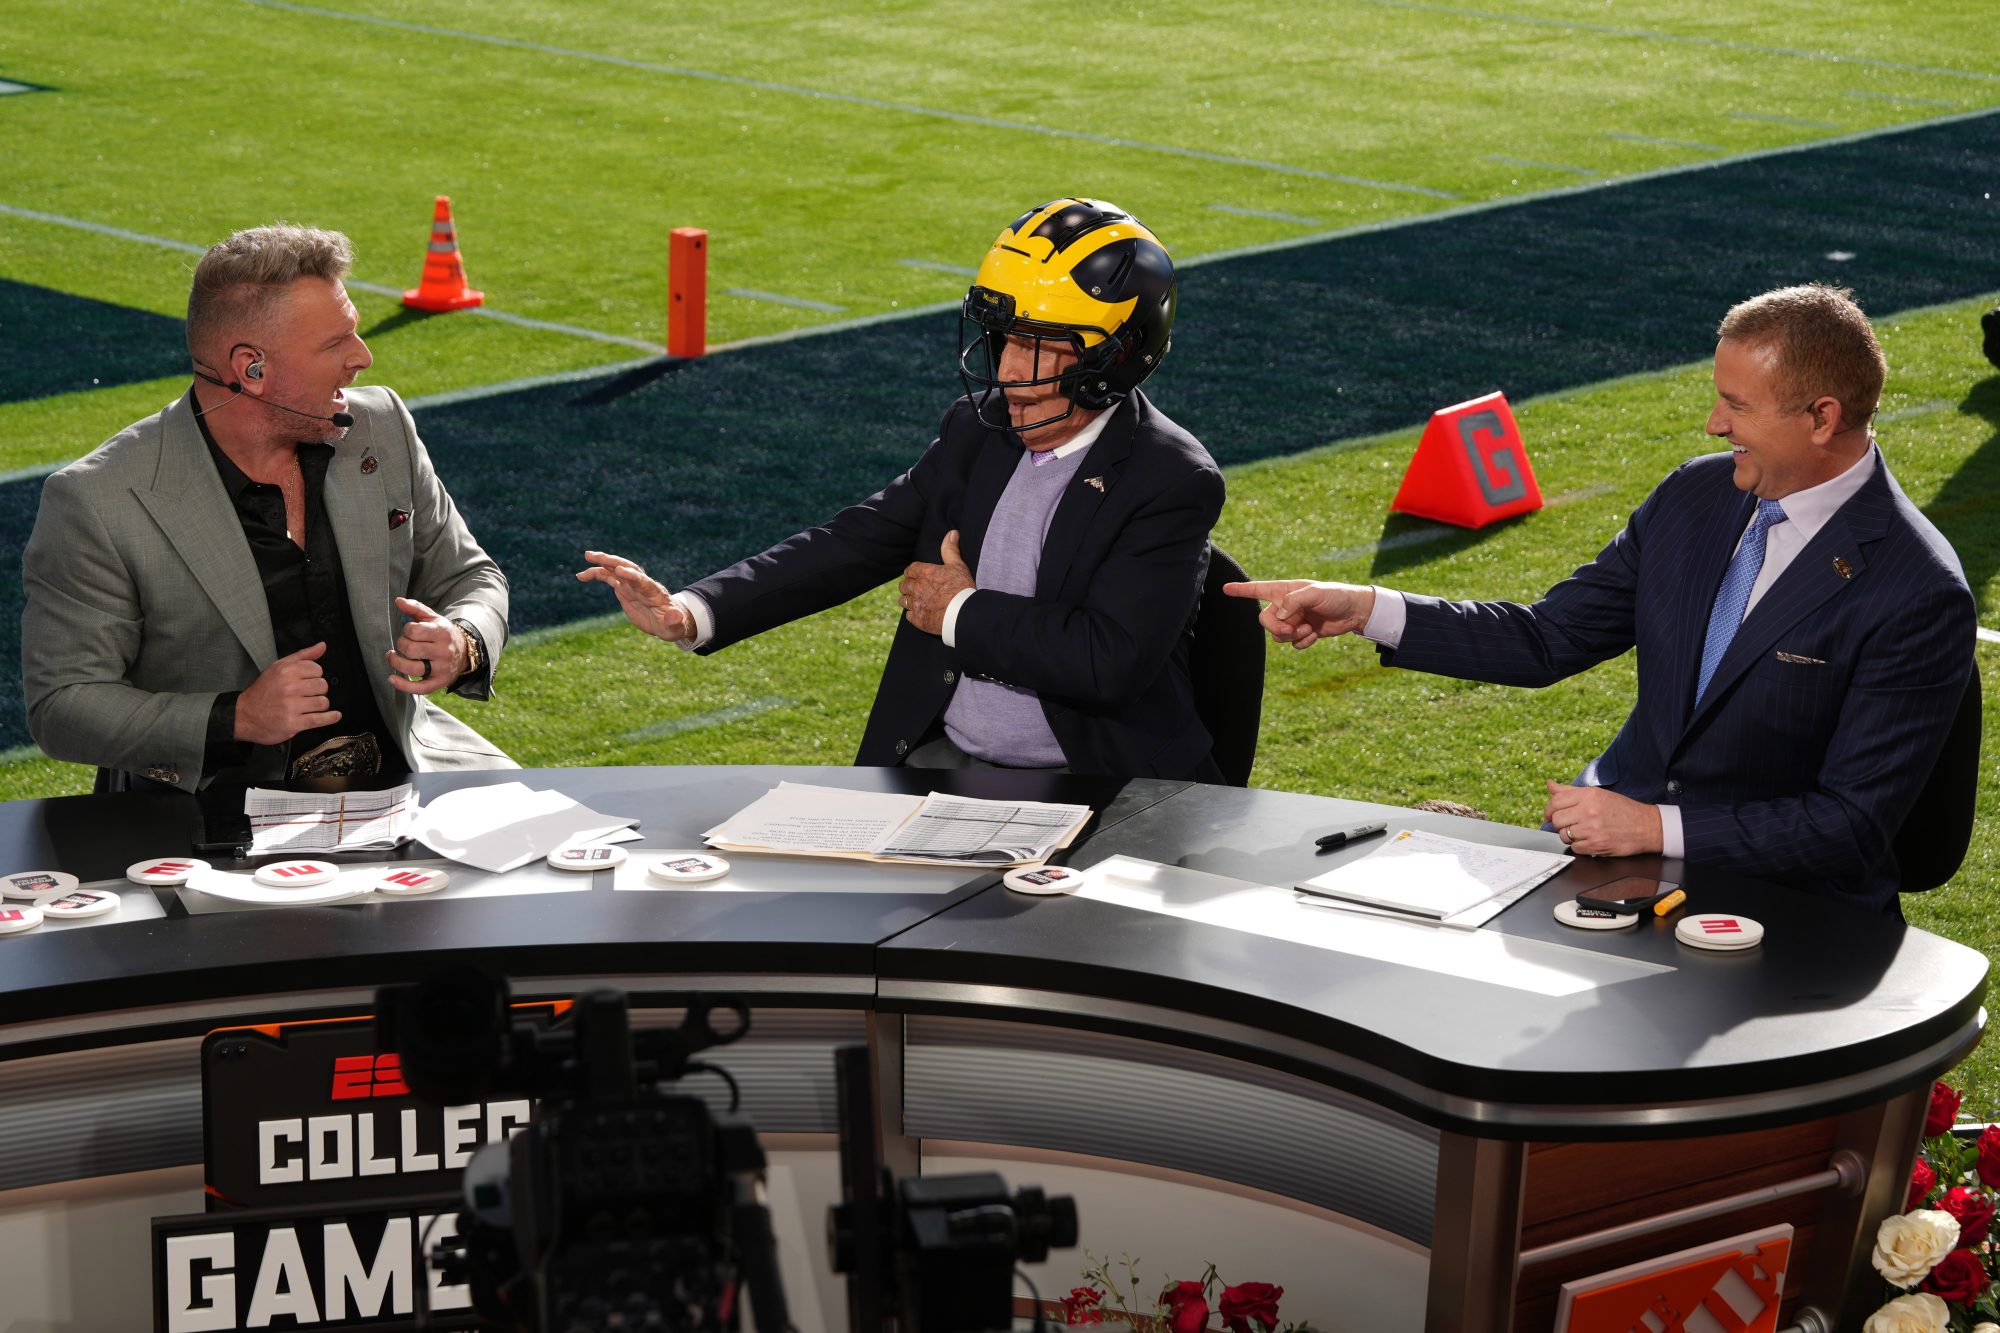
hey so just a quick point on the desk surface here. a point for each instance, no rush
(1835, 1009)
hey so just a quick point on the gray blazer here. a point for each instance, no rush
(144, 603)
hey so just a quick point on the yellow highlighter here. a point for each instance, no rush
(1670, 902)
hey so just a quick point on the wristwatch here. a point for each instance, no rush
(474, 658)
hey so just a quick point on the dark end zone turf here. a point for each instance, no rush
(58, 343)
(689, 467)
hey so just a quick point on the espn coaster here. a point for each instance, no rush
(688, 867)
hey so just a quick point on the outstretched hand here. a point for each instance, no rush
(927, 590)
(1302, 612)
(645, 600)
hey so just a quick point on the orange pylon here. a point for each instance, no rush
(443, 284)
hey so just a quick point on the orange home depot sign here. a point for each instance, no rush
(1470, 467)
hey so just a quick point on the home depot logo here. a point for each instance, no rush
(358, 1076)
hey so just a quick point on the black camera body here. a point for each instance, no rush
(624, 1207)
(620, 1206)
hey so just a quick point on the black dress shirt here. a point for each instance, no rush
(306, 593)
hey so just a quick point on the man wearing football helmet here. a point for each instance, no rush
(1052, 540)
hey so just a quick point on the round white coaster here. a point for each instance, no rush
(166, 871)
(1043, 879)
(35, 885)
(688, 868)
(1594, 918)
(296, 874)
(588, 856)
(15, 918)
(1719, 930)
(81, 903)
(408, 881)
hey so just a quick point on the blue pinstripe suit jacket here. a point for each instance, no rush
(1824, 718)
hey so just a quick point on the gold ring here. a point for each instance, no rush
(1565, 834)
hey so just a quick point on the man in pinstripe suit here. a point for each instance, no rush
(1803, 632)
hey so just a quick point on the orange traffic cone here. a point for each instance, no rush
(443, 284)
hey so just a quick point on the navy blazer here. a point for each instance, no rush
(1824, 718)
(1103, 642)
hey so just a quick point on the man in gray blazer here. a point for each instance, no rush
(266, 579)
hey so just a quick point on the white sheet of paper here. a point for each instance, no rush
(508, 824)
(797, 816)
(1261, 909)
(465, 883)
(1432, 875)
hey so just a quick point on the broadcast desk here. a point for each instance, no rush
(1477, 1140)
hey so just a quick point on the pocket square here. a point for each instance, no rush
(397, 518)
(1801, 661)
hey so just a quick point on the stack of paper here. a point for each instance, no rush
(1430, 875)
(803, 820)
(353, 821)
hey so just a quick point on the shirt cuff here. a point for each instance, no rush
(950, 634)
(695, 607)
(475, 684)
(220, 749)
(1386, 619)
(1672, 843)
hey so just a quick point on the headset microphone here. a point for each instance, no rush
(255, 370)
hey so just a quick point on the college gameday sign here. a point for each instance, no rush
(328, 1182)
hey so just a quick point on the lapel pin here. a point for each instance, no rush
(368, 464)
(1842, 568)
(397, 518)
(1098, 482)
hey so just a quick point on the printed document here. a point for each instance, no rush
(351, 821)
(804, 820)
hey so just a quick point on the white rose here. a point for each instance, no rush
(1909, 1246)
(1921, 1313)
(1986, 1328)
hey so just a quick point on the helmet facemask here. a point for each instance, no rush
(987, 320)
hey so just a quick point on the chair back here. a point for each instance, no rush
(1226, 667)
(1933, 839)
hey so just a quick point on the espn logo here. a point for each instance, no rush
(1725, 926)
(358, 1076)
(409, 879)
(290, 872)
(167, 868)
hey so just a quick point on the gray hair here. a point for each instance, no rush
(240, 280)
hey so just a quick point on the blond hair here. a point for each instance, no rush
(240, 281)
(1819, 344)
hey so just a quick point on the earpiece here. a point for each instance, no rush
(254, 371)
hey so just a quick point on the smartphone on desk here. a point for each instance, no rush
(1634, 893)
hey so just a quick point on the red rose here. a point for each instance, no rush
(1187, 1307)
(1958, 1279)
(1989, 1156)
(1080, 1306)
(1974, 1211)
(1922, 1178)
(1944, 1110)
(1250, 1300)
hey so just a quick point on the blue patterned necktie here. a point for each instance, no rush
(1734, 594)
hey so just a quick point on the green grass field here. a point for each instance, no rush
(830, 151)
